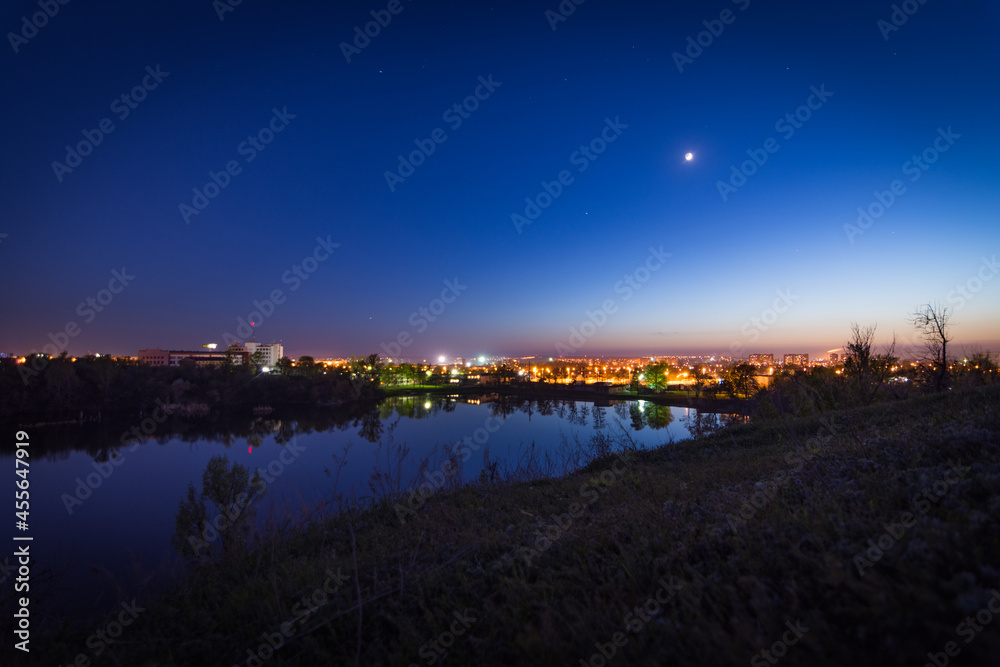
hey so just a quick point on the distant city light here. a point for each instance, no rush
(482, 360)
(441, 359)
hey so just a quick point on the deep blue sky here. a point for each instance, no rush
(323, 175)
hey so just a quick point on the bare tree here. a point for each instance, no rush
(868, 370)
(934, 324)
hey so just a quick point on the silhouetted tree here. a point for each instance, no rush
(307, 366)
(934, 324)
(866, 370)
(285, 365)
(740, 380)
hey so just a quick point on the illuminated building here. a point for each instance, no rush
(763, 359)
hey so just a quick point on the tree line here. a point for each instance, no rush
(61, 388)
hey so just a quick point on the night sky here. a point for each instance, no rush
(590, 121)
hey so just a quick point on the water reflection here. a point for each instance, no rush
(315, 458)
(701, 424)
(105, 442)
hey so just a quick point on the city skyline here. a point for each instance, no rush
(516, 180)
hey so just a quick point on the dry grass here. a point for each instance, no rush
(549, 568)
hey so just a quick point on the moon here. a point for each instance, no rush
(689, 156)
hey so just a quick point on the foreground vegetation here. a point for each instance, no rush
(788, 535)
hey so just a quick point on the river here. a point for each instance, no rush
(102, 513)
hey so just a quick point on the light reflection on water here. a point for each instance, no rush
(116, 530)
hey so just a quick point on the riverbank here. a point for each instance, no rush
(862, 537)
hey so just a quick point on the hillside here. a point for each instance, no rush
(862, 537)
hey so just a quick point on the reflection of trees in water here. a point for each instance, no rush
(657, 416)
(415, 407)
(504, 406)
(580, 418)
(641, 414)
(285, 432)
(260, 428)
(600, 420)
(700, 424)
(580, 413)
(110, 439)
(255, 438)
(405, 408)
(103, 440)
(371, 426)
(635, 417)
(104, 454)
(601, 442)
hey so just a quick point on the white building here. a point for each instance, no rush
(268, 353)
(158, 357)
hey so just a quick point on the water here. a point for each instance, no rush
(102, 514)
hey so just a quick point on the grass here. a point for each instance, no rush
(547, 572)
